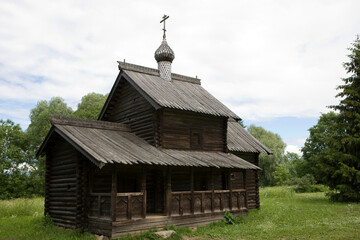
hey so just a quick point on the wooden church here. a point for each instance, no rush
(163, 151)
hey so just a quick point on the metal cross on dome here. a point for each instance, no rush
(163, 20)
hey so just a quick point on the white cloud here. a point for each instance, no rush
(263, 59)
(293, 149)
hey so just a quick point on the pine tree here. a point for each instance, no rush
(339, 166)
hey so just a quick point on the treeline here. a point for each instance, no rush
(21, 174)
(282, 168)
(331, 154)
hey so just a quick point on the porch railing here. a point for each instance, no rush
(130, 205)
(197, 202)
(100, 205)
(133, 205)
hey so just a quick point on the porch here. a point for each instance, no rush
(167, 196)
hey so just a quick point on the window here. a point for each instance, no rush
(196, 139)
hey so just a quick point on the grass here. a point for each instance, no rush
(284, 214)
(23, 219)
(287, 215)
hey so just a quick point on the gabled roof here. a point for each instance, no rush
(107, 142)
(240, 140)
(184, 93)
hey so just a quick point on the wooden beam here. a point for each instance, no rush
(99, 205)
(245, 184)
(181, 204)
(168, 192)
(192, 208)
(203, 202)
(129, 208)
(113, 194)
(212, 189)
(143, 190)
(229, 188)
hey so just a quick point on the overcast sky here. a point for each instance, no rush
(274, 63)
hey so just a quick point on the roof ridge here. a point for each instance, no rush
(155, 72)
(88, 123)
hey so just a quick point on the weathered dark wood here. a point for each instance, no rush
(212, 189)
(192, 190)
(129, 213)
(143, 190)
(47, 183)
(125, 181)
(230, 188)
(133, 109)
(168, 206)
(63, 183)
(113, 194)
(248, 179)
(179, 127)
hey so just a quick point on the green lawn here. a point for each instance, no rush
(283, 215)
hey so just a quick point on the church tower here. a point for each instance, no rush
(164, 55)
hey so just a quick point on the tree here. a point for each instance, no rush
(90, 106)
(316, 143)
(40, 119)
(39, 126)
(16, 165)
(295, 165)
(268, 163)
(339, 166)
(281, 174)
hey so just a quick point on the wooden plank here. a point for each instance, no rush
(99, 205)
(230, 189)
(181, 209)
(143, 190)
(203, 202)
(129, 209)
(113, 194)
(212, 189)
(192, 190)
(168, 193)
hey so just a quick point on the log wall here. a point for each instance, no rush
(133, 109)
(66, 186)
(195, 131)
(251, 179)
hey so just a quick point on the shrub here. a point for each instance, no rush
(281, 175)
(307, 184)
(229, 218)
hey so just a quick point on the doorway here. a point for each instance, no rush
(155, 197)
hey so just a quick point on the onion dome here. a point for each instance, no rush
(164, 53)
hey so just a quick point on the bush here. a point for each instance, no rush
(281, 175)
(229, 218)
(307, 184)
(344, 193)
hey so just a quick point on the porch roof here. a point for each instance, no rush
(106, 143)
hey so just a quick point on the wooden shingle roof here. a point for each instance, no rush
(106, 143)
(184, 93)
(240, 140)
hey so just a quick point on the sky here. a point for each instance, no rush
(276, 64)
